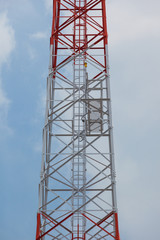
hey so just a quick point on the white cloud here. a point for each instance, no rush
(39, 35)
(31, 52)
(129, 21)
(48, 4)
(4, 104)
(7, 45)
(7, 38)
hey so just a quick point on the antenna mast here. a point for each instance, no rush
(77, 190)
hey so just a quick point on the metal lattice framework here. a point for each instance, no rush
(77, 191)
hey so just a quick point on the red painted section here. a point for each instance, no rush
(38, 232)
(98, 225)
(84, 236)
(78, 231)
(48, 218)
(42, 235)
(116, 226)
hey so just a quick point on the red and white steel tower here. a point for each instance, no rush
(77, 190)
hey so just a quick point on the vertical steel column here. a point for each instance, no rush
(79, 126)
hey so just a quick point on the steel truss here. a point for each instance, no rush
(77, 191)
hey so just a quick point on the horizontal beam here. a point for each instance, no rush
(70, 190)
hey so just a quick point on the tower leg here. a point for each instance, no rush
(38, 232)
(116, 226)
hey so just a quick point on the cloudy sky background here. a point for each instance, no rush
(134, 49)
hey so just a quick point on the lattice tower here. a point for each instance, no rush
(77, 190)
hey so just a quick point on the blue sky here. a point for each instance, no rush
(134, 36)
